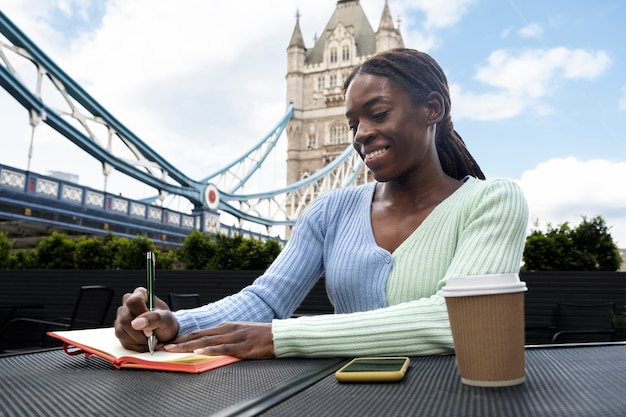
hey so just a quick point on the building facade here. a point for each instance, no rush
(318, 131)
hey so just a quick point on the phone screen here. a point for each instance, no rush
(375, 365)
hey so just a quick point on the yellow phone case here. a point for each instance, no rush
(374, 369)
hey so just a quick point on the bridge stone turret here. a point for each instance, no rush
(317, 133)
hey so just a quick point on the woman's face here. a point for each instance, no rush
(395, 136)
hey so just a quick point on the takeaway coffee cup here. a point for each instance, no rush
(487, 319)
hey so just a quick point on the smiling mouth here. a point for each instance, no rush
(376, 153)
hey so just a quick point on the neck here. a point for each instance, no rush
(417, 191)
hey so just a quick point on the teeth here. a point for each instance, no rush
(375, 153)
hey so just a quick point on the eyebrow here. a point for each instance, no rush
(369, 103)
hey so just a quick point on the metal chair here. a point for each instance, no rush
(90, 311)
(584, 323)
(180, 301)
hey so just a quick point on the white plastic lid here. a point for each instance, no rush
(483, 285)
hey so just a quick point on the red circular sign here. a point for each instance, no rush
(211, 196)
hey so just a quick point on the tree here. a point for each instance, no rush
(55, 252)
(241, 253)
(5, 250)
(92, 253)
(592, 238)
(198, 250)
(131, 254)
(23, 260)
(236, 252)
(587, 247)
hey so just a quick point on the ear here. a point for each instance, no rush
(436, 107)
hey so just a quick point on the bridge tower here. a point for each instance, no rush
(317, 133)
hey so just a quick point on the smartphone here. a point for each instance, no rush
(375, 369)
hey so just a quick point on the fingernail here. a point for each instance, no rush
(170, 346)
(139, 323)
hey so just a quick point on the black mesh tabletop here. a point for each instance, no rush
(55, 384)
(567, 382)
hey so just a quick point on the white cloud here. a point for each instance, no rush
(566, 189)
(421, 19)
(531, 73)
(485, 106)
(532, 30)
(523, 78)
(442, 13)
(582, 64)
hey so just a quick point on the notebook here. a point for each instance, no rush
(102, 342)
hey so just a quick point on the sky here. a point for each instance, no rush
(538, 87)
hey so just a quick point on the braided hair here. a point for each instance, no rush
(419, 74)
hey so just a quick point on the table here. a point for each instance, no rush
(561, 381)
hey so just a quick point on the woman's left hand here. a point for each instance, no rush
(243, 340)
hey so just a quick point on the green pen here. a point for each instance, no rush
(150, 267)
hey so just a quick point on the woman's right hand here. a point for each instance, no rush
(134, 322)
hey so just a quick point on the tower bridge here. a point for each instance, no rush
(320, 155)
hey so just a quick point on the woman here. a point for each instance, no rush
(385, 248)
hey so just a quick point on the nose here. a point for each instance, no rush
(364, 133)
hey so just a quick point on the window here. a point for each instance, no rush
(345, 53)
(312, 141)
(338, 134)
(320, 83)
(333, 81)
(333, 55)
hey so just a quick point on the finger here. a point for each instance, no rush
(220, 340)
(132, 326)
(194, 341)
(224, 349)
(137, 292)
(198, 334)
(244, 340)
(214, 350)
(136, 302)
(128, 337)
(225, 328)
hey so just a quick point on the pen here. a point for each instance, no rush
(150, 266)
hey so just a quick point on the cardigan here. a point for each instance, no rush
(385, 303)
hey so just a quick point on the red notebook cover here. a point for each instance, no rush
(103, 343)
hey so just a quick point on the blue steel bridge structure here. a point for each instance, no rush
(34, 204)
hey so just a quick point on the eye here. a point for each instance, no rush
(380, 116)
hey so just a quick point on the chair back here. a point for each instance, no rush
(91, 307)
(180, 301)
(584, 322)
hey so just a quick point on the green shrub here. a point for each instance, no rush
(586, 247)
(198, 251)
(22, 259)
(131, 254)
(239, 253)
(6, 247)
(55, 252)
(92, 253)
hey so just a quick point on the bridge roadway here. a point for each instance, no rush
(32, 206)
